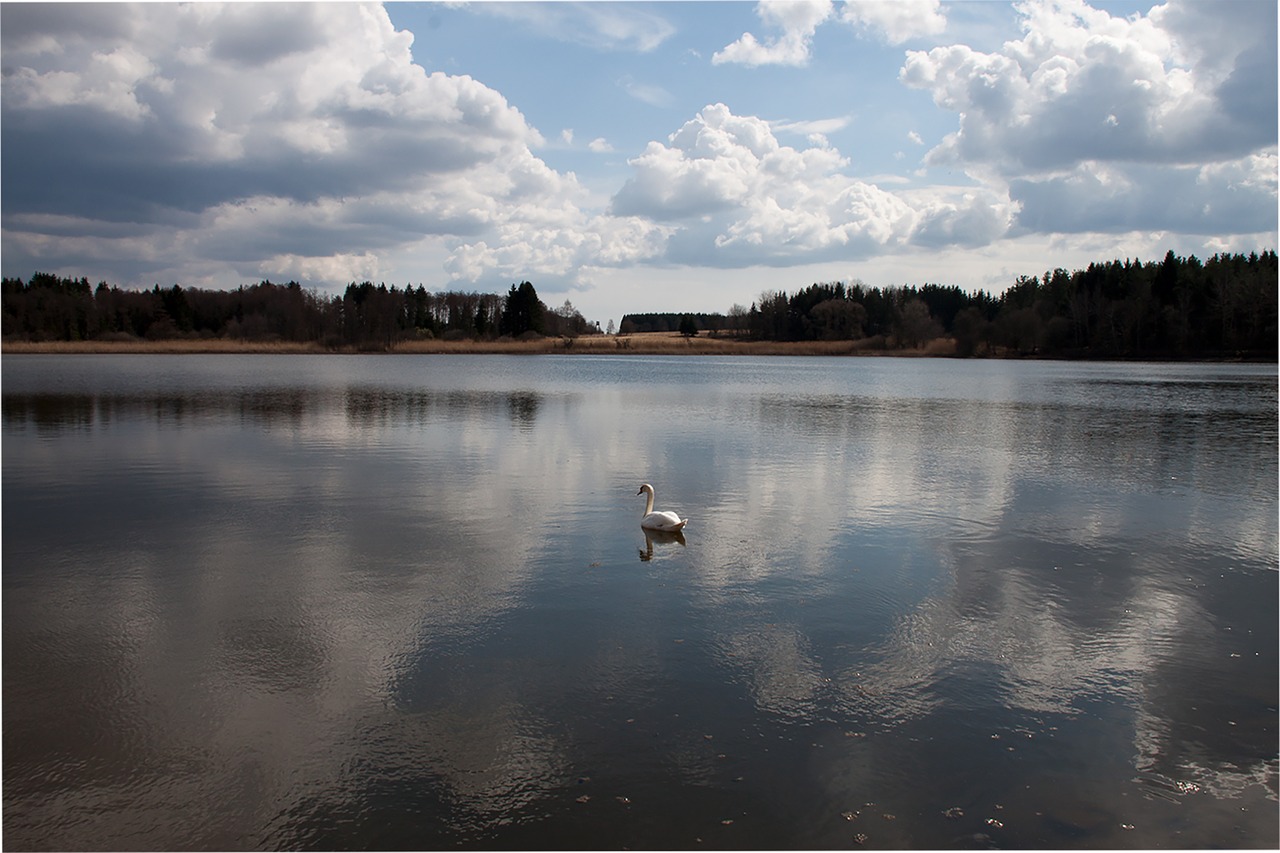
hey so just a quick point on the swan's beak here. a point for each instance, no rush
(641, 492)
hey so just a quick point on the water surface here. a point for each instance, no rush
(404, 602)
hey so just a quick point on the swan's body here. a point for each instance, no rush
(652, 520)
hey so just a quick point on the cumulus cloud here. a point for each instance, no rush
(1083, 85)
(1096, 122)
(714, 162)
(524, 243)
(214, 144)
(363, 266)
(299, 138)
(739, 196)
(968, 218)
(797, 19)
(897, 21)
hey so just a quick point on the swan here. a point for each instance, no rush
(667, 521)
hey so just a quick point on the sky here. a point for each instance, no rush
(631, 157)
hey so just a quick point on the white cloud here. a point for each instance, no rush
(1082, 85)
(737, 196)
(210, 144)
(603, 26)
(363, 266)
(299, 140)
(1096, 122)
(967, 218)
(896, 20)
(798, 20)
(821, 126)
(710, 165)
(558, 247)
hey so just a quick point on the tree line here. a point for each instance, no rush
(1175, 308)
(365, 316)
(671, 322)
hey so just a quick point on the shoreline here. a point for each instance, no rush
(643, 344)
(639, 344)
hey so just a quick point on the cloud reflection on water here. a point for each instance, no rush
(1060, 546)
(387, 594)
(346, 590)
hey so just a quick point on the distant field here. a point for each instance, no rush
(649, 343)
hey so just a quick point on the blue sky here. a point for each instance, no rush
(631, 156)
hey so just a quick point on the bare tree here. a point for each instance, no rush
(916, 325)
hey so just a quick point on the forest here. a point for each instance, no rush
(365, 317)
(1224, 307)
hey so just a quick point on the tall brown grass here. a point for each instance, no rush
(652, 343)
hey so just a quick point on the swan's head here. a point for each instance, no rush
(645, 488)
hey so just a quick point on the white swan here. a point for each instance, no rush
(668, 521)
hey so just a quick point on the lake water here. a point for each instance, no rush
(405, 602)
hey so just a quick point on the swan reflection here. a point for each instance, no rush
(661, 537)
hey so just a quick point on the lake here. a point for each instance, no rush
(319, 602)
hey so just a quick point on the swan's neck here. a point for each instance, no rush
(648, 502)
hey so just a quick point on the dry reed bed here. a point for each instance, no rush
(657, 343)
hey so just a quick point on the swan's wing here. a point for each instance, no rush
(661, 520)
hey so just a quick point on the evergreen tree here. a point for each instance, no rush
(524, 311)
